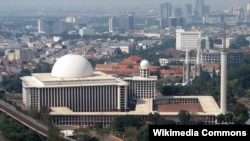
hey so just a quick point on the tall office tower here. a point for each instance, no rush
(206, 10)
(177, 12)
(187, 40)
(39, 28)
(165, 13)
(199, 8)
(165, 10)
(172, 21)
(223, 82)
(248, 13)
(248, 8)
(111, 24)
(126, 21)
(49, 26)
(238, 11)
(187, 10)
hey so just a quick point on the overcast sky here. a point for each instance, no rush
(111, 3)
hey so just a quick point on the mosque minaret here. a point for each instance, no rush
(223, 89)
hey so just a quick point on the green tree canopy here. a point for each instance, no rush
(120, 123)
(184, 116)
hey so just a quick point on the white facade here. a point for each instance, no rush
(248, 8)
(84, 99)
(70, 19)
(187, 40)
(234, 57)
(166, 61)
(49, 26)
(87, 31)
(75, 87)
(223, 86)
(39, 28)
(14, 55)
(143, 86)
(125, 49)
(111, 24)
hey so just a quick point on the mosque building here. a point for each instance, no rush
(79, 96)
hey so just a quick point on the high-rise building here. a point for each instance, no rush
(172, 22)
(50, 26)
(187, 40)
(165, 10)
(126, 21)
(248, 8)
(187, 10)
(111, 24)
(165, 13)
(234, 57)
(177, 12)
(199, 8)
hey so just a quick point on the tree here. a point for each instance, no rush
(240, 112)
(220, 118)
(143, 133)
(121, 122)
(24, 72)
(163, 121)
(184, 116)
(14, 131)
(229, 117)
(102, 132)
(240, 108)
(153, 118)
(54, 134)
(45, 115)
(82, 134)
(240, 119)
(34, 113)
(131, 133)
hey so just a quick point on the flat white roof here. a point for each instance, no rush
(46, 80)
(145, 106)
(61, 110)
(150, 78)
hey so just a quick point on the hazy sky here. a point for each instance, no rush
(105, 3)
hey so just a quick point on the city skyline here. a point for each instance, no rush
(26, 4)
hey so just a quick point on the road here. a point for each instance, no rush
(26, 120)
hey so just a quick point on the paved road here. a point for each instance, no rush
(26, 120)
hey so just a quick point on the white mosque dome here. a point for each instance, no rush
(144, 64)
(72, 66)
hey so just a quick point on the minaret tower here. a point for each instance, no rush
(186, 69)
(223, 82)
(198, 63)
(144, 69)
